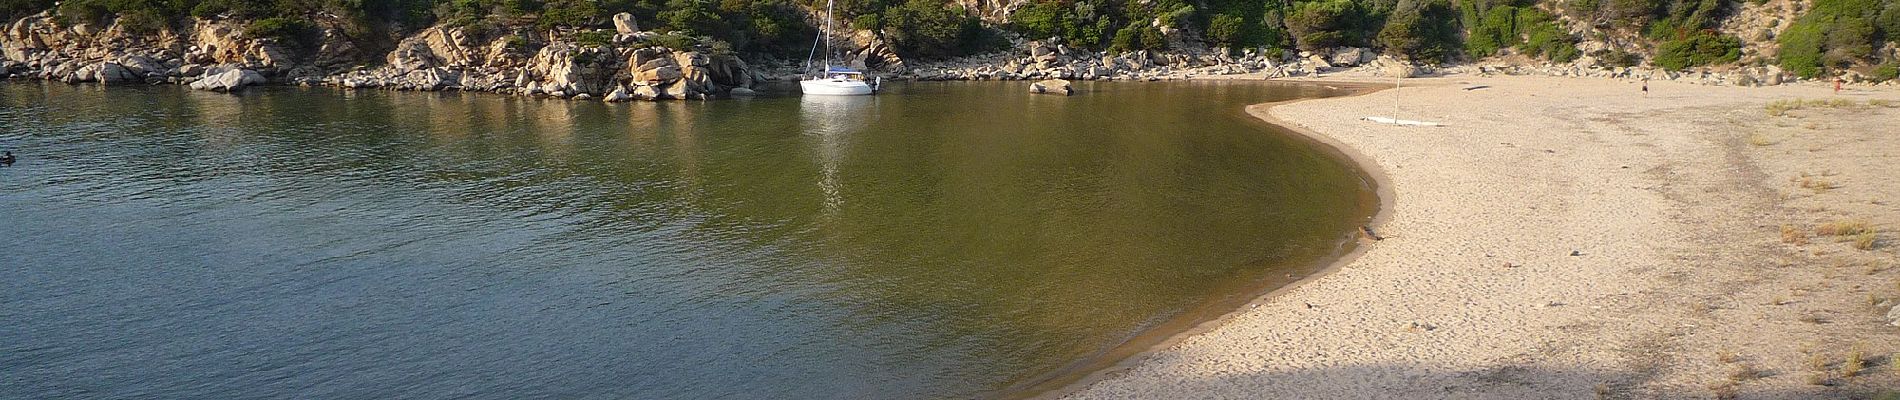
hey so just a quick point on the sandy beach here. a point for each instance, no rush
(1574, 238)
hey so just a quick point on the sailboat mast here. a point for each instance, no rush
(828, 20)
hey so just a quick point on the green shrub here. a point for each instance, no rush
(593, 38)
(12, 9)
(1616, 58)
(1801, 48)
(672, 40)
(927, 29)
(1423, 31)
(1322, 24)
(1703, 48)
(1887, 71)
(1225, 29)
(698, 17)
(287, 30)
(868, 22)
(1178, 17)
(1039, 20)
(1544, 37)
(1531, 31)
(1488, 30)
(1888, 21)
(1836, 34)
(1138, 36)
(1082, 23)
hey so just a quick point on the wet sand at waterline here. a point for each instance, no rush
(1572, 238)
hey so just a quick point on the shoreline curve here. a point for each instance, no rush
(1064, 383)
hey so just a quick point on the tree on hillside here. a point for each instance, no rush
(1323, 24)
(1422, 30)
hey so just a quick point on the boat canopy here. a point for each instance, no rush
(842, 70)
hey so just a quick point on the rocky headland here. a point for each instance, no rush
(217, 55)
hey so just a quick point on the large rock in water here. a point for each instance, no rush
(143, 66)
(1052, 86)
(619, 94)
(115, 73)
(228, 80)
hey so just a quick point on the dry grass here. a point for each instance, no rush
(1865, 241)
(1856, 362)
(1726, 357)
(1724, 390)
(1743, 373)
(1782, 107)
(1818, 185)
(1817, 363)
(1844, 227)
(1882, 103)
(1791, 234)
(1758, 139)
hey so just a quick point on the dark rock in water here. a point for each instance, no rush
(1052, 86)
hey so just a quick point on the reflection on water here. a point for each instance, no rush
(936, 240)
(829, 121)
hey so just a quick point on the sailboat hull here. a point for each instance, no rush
(834, 87)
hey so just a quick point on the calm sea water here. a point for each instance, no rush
(942, 240)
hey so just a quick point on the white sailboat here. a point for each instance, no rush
(833, 80)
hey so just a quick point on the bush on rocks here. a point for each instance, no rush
(1703, 48)
(1422, 30)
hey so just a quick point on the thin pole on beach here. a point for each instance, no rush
(1395, 94)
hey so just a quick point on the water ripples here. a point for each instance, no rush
(924, 243)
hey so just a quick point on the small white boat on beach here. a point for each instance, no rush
(1400, 122)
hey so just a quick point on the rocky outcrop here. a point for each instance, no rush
(449, 59)
(1052, 86)
(624, 24)
(213, 54)
(228, 80)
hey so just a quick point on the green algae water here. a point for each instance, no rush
(939, 240)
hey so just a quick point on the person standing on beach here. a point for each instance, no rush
(1837, 85)
(1645, 87)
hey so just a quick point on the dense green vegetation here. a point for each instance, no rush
(1834, 35)
(1700, 48)
(922, 28)
(1838, 33)
(1131, 25)
(11, 9)
(1424, 30)
(1531, 31)
(767, 26)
